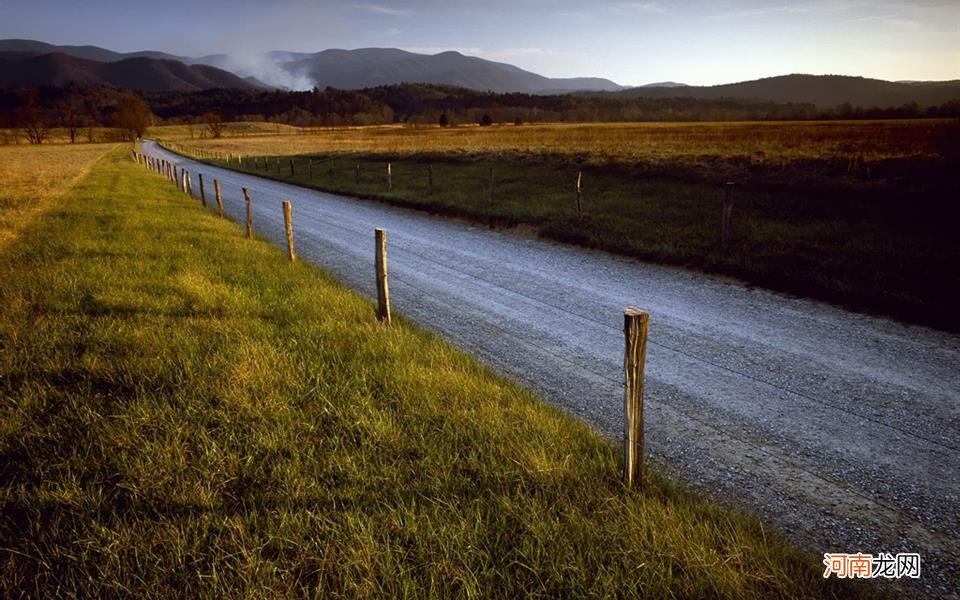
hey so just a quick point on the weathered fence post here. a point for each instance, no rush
(278, 165)
(429, 179)
(246, 197)
(491, 184)
(203, 194)
(288, 224)
(383, 288)
(183, 180)
(310, 169)
(389, 177)
(579, 196)
(356, 176)
(635, 325)
(291, 168)
(176, 176)
(727, 214)
(189, 184)
(216, 189)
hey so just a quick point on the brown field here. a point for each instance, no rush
(764, 143)
(34, 175)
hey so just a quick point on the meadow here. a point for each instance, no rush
(855, 213)
(185, 413)
(32, 176)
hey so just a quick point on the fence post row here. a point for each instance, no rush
(383, 287)
(635, 325)
(216, 188)
(288, 225)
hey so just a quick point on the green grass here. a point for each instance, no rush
(878, 241)
(184, 413)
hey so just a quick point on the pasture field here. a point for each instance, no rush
(771, 144)
(31, 176)
(859, 214)
(185, 413)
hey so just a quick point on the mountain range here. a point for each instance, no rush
(34, 63)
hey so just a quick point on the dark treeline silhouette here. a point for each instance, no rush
(77, 106)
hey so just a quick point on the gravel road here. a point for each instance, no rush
(841, 429)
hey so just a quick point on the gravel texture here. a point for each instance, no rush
(839, 428)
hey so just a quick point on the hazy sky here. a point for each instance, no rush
(696, 42)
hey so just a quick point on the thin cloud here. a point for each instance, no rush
(385, 10)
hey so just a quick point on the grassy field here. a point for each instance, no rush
(184, 413)
(859, 214)
(763, 143)
(33, 175)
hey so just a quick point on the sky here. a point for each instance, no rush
(631, 42)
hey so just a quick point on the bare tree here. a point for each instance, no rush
(214, 123)
(33, 123)
(133, 115)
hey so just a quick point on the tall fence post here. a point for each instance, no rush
(203, 194)
(189, 184)
(430, 179)
(727, 213)
(288, 225)
(246, 197)
(216, 189)
(176, 176)
(635, 325)
(389, 177)
(383, 288)
(183, 180)
(579, 196)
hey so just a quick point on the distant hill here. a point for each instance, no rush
(824, 91)
(141, 73)
(13, 49)
(371, 67)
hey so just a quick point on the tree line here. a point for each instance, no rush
(77, 108)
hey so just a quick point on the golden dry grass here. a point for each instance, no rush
(32, 176)
(623, 143)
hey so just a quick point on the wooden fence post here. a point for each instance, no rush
(291, 168)
(491, 184)
(278, 165)
(183, 180)
(389, 177)
(203, 194)
(310, 169)
(727, 214)
(356, 176)
(246, 196)
(216, 188)
(288, 224)
(635, 325)
(429, 179)
(579, 196)
(176, 176)
(383, 289)
(189, 184)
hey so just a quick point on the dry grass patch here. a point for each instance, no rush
(33, 175)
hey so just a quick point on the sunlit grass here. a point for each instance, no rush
(30, 176)
(764, 143)
(183, 413)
